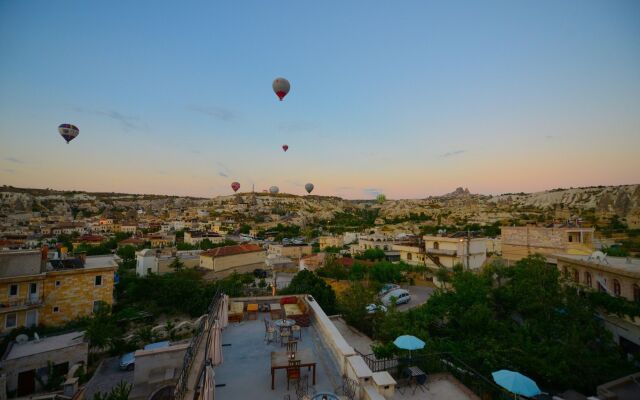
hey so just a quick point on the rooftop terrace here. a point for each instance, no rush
(246, 370)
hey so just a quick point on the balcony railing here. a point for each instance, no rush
(10, 305)
(442, 252)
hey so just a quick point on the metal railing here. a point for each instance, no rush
(441, 363)
(203, 329)
(25, 302)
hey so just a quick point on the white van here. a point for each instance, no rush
(401, 295)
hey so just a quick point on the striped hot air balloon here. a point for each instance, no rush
(68, 132)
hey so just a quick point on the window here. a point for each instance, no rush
(636, 292)
(11, 321)
(616, 287)
(587, 278)
(409, 256)
(576, 276)
(96, 305)
(436, 245)
(98, 280)
(13, 290)
(33, 288)
(58, 283)
(56, 309)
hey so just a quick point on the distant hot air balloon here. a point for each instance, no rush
(68, 132)
(381, 198)
(285, 147)
(308, 187)
(235, 186)
(281, 87)
(274, 190)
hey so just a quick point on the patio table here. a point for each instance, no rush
(280, 360)
(284, 323)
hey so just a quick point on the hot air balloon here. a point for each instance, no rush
(281, 87)
(235, 186)
(68, 132)
(274, 190)
(381, 198)
(285, 147)
(308, 187)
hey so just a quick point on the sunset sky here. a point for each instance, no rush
(406, 98)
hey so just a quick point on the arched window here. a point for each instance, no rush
(576, 276)
(587, 278)
(636, 292)
(409, 256)
(616, 287)
(436, 245)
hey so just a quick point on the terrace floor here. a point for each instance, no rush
(246, 368)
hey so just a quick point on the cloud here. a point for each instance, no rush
(223, 170)
(127, 122)
(220, 113)
(161, 172)
(452, 153)
(297, 126)
(373, 192)
(13, 160)
(549, 137)
(9, 170)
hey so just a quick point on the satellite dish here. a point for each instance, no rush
(597, 255)
(22, 338)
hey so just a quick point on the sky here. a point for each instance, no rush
(405, 98)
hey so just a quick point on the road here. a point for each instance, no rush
(106, 377)
(419, 296)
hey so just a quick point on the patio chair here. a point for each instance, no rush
(404, 381)
(421, 382)
(269, 332)
(285, 334)
(293, 372)
(298, 329)
(348, 388)
(292, 346)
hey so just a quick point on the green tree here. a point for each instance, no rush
(353, 306)
(119, 392)
(176, 264)
(127, 253)
(307, 282)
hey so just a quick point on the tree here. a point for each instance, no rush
(374, 254)
(307, 282)
(176, 264)
(127, 253)
(119, 392)
(102, 330)
(353, 306)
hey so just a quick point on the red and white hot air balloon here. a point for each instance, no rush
(285, 147)
(281, 87)
(235, 186)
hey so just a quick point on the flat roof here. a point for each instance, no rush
(51, 343)
(100, 261)
(626, 264)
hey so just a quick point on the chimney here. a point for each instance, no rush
(82, 257)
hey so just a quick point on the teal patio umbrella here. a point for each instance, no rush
(516, 383)
(408, 342)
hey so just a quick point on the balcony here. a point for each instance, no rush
(20, 304)
(443, 252)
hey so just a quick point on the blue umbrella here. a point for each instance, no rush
(516, 383)
(408, 342)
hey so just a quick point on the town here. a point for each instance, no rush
(104, 293)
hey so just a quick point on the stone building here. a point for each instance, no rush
(35, 290)
(25, 364)
(238, 258)
(617, 276)
(521, 241)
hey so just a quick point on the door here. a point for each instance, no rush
(32, 318)
(26, 382)
(33, 292)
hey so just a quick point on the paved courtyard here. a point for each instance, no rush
(107, 376)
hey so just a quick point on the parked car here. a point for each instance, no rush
(373, 308)
(401, 296)
(388, 287)
(127, 361)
